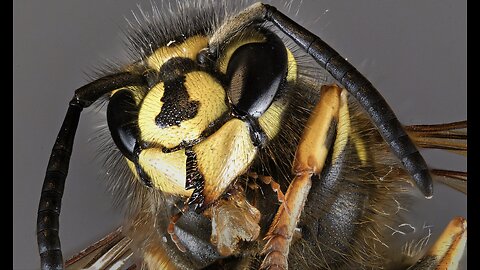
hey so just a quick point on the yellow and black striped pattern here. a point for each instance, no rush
(223, 155)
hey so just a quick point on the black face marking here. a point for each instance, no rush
(177, 106)
(194, 177)
(212, 128)
(141, 173)
(257, 135)
(194, 180)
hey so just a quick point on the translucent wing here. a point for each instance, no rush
(454, 179)
(111, 252)
(451, 137)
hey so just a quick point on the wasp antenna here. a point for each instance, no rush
(356, 84)
(52, 191)
(57, 169)
(364, 92)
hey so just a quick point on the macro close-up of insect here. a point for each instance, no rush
(234, 137)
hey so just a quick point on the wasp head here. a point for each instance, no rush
(199, 123)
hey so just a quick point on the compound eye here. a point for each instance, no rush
(256, 71)
(122, 113)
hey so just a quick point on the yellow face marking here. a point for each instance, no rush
(187, 49)
(166, 170)
(201, 87)
(223, 156)
(234, 45)
(131, 165)
(270, 121)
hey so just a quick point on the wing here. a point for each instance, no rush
(111, 252)
(451, 137)
(454, 179)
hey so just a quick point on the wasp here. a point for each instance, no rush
(248, 142)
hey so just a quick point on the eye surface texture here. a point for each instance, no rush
(256, 71)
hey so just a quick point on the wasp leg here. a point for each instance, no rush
(448, 249)
(268, 180)
(354, 82)
(171, 229)
(310, 158)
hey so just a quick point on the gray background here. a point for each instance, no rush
(414, 51)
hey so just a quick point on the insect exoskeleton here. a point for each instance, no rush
(197, 126)
(200, 122)
(248, 150)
